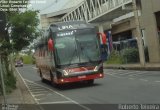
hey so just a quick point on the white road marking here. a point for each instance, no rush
(35, 68)
(124, 77)
(137, 73)
(132, 78)
(39, 92)
(26, 85)
(50, 90)
(143, 80)
(113, 75)
(38, 95)
(157, 81)
(60, 95)
(127, 73)
(28, 89)
(58, 102)
(37, 99)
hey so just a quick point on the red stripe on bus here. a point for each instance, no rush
(79, 78)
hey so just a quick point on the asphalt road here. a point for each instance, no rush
(117, 87)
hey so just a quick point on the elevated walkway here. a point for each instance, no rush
(95, 11)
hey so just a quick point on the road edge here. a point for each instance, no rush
(27, 96)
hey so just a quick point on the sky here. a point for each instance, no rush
(41, 4)
(49, 6)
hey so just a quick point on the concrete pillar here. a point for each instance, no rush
(139, 36)
(150, 25)
(101, 30)
(134, 34)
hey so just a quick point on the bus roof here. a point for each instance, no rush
(70, 25)
(62, 26)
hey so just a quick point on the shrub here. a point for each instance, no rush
(130, 55)
(28, 59)
(115, 58)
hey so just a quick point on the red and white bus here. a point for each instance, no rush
(70, 52)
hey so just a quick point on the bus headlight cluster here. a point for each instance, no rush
(98, 67)
(65, 73)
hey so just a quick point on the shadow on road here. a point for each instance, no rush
(69, 86)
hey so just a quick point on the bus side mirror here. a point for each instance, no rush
(50, 45)
(103, 38)
(103, 41)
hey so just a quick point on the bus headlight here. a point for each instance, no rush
(98, 67)
(65, 73)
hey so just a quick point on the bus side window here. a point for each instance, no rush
(39, 53)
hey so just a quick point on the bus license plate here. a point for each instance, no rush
(81, 77)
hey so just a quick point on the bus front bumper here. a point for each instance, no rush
(79, 78)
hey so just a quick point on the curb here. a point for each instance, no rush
(27, 97)
(132, 67)
(29, 102)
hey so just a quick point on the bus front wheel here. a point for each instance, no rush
(42, 79)
(52, 80)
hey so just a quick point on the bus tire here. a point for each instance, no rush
(52, 80)
(40, 73)
(51, 77)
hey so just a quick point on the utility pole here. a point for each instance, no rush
(139, 35)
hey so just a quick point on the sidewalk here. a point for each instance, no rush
(148, 66)
(20, 96)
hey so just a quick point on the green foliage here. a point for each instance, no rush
(131, 55)
(115, 58)
(24, 28)
(10, 82)
(128, 55)
(28, 59)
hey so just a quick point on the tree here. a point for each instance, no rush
(24, 28)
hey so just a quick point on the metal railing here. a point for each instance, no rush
(88, 10)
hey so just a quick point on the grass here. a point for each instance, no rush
(27, 59)
(115, 58)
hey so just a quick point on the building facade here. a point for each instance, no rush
(150, 21)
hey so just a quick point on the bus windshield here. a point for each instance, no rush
(76, 47)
